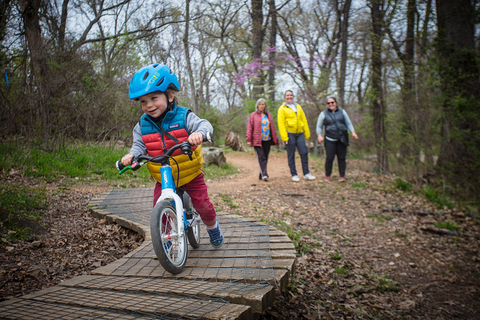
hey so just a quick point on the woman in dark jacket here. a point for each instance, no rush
(336, 122)
(261, 134)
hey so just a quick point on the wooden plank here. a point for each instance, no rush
(279, 239)
(109, 268)
(203, 308)
(22, 309)
(259, 297)
(288, 264)
(283, 254)
(282, 246)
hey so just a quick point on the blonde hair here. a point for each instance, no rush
(260, 101)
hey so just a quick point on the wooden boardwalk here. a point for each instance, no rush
(237, 281)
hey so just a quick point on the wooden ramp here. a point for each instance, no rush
(237, 281)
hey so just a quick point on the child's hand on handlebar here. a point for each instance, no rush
(195, 138)
(127, 159)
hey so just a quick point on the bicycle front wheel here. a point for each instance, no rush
(170, 248)
(193, 233)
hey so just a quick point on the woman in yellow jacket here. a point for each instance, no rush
(294, 130)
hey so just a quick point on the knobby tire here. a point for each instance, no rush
(164, 222)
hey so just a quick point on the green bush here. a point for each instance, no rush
(434, 196)
(402, 185)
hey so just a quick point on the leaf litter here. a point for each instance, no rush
(358, 255)
(74, 244)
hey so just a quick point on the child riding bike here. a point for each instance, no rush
(164, 124)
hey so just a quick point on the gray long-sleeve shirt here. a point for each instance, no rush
(194, 124)
(321, 129)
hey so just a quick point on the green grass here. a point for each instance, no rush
(402, 185)
(294, 234)
(359, 184)
(228, 200)
(82, 161)
(447, 225)
(386, 284)
(335, 256)
(24, 200)
(215, 172)
(20, 202)
(383, 283)
(384, 218)
(343, 269)
(438, 198)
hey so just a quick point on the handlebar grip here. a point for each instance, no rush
(208, 137)
(119, 165)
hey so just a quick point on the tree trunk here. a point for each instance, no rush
(378, 108)
(63, 24)
(273, 44)
(187, 57)
(343, 62)
(5, 11)
(409, 147)
(258, 33)
(33, 33)
(458, 69)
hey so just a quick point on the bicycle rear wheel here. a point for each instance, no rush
(170, 248)
(193, 233)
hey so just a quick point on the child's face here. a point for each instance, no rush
(154, 104)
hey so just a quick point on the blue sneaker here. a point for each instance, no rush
(216, 236)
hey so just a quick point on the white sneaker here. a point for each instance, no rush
(295, 179)
(309, 176)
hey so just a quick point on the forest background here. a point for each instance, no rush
(406, 71)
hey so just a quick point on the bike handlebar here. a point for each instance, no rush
(185, 146)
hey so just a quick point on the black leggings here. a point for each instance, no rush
(333, 148)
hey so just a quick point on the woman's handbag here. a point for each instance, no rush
(344, 138)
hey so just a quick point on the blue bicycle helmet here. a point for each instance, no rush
(152, 78)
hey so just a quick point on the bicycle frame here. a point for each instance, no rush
(169, 194)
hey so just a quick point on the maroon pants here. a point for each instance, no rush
(197, 190)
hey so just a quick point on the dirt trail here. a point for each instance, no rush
(357, 258)
(278, 172)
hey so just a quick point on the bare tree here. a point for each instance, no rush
(228, 29)
(258, 34)
(378, 105)
(33, 33)
(187, 57)
(344, 15)
(272, 14)
(409, 147)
